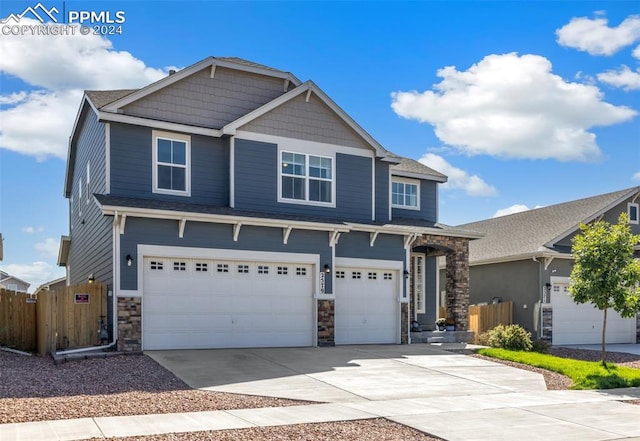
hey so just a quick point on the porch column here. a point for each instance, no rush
(457, 284)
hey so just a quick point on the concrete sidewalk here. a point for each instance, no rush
(628, 348)
(552, 415)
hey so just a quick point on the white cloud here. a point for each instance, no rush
(516, 208)
(473, 185)
(38, 122)
(513, 106)
(32, 230)
(48, 248)
(35, 273)
(596, 37)
(636, 176)
(624, 78)
(636, 53)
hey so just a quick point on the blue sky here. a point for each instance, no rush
(522, 104)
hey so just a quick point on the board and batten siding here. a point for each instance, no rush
(217, 236)
(202, 101)
(132, 167)
(91, 233)
(428, 204)
(310, 120)
(256, 184)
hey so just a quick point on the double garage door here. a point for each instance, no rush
(201, 303)
(582, 323)
(198, 303)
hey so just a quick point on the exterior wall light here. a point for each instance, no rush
(129, 259)
(406, 274)
(327, 268)
(91, 278)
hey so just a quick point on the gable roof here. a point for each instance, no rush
(100, 98)
(535, 232)
(209, 62)
(414, 169)
(4, 277)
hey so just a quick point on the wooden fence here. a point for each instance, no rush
(485, 317)
(17, 320)
(69, 317)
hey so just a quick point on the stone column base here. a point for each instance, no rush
(130, 324)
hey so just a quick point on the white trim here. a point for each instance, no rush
(414, 264)
(313, 147)
(285, 234)
(407, 281)
(389, 197)
(231, 128)
(307, 178)
(525, 256)
(232, 172)
(372, 237)
(150, 213)
(405, 181)
(415, 175)
(156, 135)
(155, 124)
(236, 231)
(130, 293)
(181, 226)
(145, 251)
(107, 157)
(353, 262)
(637, 207)
(373, 189)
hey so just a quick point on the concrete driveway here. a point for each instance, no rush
(451, 396)
(346, 373)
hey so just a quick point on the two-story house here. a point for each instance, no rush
(229, 204)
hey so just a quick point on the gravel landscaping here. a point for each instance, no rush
(35, 389)
(369, 430)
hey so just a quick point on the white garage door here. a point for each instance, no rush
(200, 303)
(582, 324)
(366, 307)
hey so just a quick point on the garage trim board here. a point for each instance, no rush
(288, 281)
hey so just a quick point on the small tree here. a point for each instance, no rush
(605, 272)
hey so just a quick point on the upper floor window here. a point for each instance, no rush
(171, 163)
(633, 210)
(306, 178)
(405, 193)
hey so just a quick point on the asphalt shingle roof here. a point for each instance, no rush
(101, 98)
(527, 232)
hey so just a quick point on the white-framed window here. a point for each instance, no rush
(223, 267)
(263, 269)
(405, 193)
(339, 274)
(12, 287)
(202, 267)
(156, 265)
(388, 276)
(633, 210)
(80, 198)
(283, 270)
(301, 271)
(356, 275)
(171, 163)
(306, 178)
(372, 276)
(179, 266)
(419, 282)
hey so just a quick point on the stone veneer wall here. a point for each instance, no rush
(457, 273)
(326, 323)
(404, 323)
(130, 324)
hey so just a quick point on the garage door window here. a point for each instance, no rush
(339, 274)
(372, 276)
(356, 275)
(223, 268)
(301, 271)
(156, 265)
(283, 270)
(388, 276)
(202, 267)
(262, 269)
(243, 269)
(179, 266)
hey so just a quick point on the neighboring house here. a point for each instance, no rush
(232, 205)
(526, 258)
(53, 285)
(12, 283)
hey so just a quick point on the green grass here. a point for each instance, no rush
(585, 374)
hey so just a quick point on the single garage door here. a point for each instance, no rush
(366, 307)
(582, 324)
(200, 303)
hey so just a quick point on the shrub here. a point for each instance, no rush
(483, 339)
(541, 346)
(513, 337)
